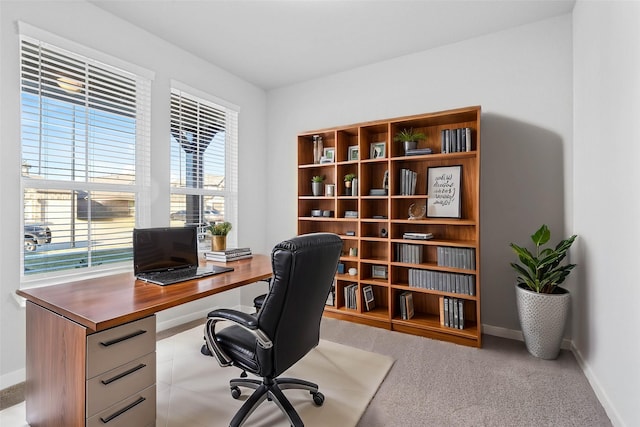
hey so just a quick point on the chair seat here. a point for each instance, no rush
(237, 342)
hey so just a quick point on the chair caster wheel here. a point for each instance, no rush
(205, 350)
(318, 398)
(235, 392)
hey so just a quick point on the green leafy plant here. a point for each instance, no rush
(220, 229)
(543, 272)
(317, 178)
(349, 177)
(409, 135)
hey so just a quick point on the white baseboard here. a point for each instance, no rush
(513, 334)
(597, 389)
(12, 378)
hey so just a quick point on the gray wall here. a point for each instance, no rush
(522, 80)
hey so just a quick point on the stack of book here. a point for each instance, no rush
(452, 312)
(417, 236)
(228, 254)
(406, 305)
(418, 151)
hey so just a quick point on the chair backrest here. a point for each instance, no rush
(304, 268)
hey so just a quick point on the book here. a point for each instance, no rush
(231, 254)
(369, 301)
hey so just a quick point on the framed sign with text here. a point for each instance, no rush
(443, 189)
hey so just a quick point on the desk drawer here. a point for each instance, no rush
(106, 389)
(122, 344)
(137, 410)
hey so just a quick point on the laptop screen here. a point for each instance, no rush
(161, 249)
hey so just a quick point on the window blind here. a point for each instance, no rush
(203, 160)
(85, 135)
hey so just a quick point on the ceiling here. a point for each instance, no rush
(278, 43)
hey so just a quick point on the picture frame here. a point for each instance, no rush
(329, 154)
(444, 192)
(378, 150)
(354, 153)
(369, 299)
(378, 271)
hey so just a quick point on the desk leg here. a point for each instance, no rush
(55, 369)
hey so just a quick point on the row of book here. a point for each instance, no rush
(408, 179)
(455, 140)
(441, 281)
(351, 296)
(406, 252)
(456, 257)
(228, 255)
(452, 312)
(406, 305)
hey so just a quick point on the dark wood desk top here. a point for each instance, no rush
(110, 301)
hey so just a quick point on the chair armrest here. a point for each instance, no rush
(241, 318)
(244, 320)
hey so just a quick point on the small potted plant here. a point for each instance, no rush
(543, 306)
(316, 185)
(348, 179)
(409, 138)
(219, 233)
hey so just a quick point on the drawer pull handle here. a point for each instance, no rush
(124, 338)
(123, 374)
(123, 410)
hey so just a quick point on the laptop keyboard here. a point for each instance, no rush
(184, 273)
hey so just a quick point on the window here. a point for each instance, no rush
(203, 160)
(85, 160)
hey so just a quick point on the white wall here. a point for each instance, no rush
(521, 78)
(607, 201)
(83, 23)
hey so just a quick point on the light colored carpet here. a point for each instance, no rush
(193, 389)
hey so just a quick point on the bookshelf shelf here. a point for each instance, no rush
(373, 218)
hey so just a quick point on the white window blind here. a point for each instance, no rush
(204, 158)
(85, 135)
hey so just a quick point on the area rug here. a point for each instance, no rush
(193, 390)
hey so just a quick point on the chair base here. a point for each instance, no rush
(271, 389)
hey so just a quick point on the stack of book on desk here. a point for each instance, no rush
(228, 254)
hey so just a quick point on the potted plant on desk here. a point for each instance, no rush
(219, 233)
(543, 306)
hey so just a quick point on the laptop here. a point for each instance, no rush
(169, 255)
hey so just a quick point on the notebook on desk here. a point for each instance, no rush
(169, 255)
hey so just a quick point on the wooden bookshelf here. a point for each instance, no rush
(377, 233)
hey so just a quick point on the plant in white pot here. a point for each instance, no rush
(543, 306)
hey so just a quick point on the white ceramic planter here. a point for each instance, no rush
(543, 318)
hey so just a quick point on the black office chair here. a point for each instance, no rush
(284, 330)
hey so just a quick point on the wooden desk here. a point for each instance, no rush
(62, 320)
